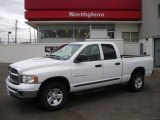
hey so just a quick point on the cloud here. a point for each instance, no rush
(13, 6)
(10, 11)
(2, 18)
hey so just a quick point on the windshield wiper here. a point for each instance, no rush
(55, 56)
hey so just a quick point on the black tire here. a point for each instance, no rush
(136, 82)
(50, 92)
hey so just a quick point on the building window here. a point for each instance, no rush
(100, 26)
(81, 32)
(65, 32)
(134, 37)
(159, 10)
(130, 36)
(110, 29)
(77, 32)
(126, 36)
(57, 31)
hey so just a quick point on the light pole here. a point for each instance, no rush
(8, 36)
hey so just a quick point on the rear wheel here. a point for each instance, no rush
(136, 82)
(53, 96)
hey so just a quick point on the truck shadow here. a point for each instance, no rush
(81, 99)
(96, 95)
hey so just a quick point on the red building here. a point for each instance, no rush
(64, 21)
(101, 10)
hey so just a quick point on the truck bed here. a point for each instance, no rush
(131, 56)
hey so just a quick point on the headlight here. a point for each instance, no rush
(31, 79)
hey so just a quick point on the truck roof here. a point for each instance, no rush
(92, 42)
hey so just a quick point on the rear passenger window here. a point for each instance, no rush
(108, 52)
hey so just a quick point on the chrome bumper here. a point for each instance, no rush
(22, 90)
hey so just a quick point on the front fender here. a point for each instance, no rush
(49, 72)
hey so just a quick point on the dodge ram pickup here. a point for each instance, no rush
(75, 67)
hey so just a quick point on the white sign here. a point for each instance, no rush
(85, 14)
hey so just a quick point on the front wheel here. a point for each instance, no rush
(53, 96)
(136, 82)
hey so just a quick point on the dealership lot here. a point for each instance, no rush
(115, 103)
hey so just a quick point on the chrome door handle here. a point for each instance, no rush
(118, 63)
(98, 65)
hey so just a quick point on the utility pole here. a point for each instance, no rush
(16, 31)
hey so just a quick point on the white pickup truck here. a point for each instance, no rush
(75, 67)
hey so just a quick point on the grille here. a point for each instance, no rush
(14, 71)
(13, 75)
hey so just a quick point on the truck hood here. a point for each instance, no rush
(35, 63)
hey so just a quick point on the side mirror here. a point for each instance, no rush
(80, 58)
(47, 55)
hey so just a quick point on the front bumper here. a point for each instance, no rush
(22, 90)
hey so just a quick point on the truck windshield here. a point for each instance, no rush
(65, 52)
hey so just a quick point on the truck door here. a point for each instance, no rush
(112, 65)
(88, 72)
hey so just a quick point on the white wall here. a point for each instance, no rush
(16, 52)
(131, 49)
(150, 21)
(148, 46)
(119, 28)
(128, 48)
(56, 40)
(10, 53)
(98, 33)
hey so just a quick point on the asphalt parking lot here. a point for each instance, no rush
(115, 103)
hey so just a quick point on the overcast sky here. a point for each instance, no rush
(10, 10)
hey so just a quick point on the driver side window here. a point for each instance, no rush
(91, 53)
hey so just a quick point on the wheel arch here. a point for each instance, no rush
(134, 77)
(57, 79)
(139, 69)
